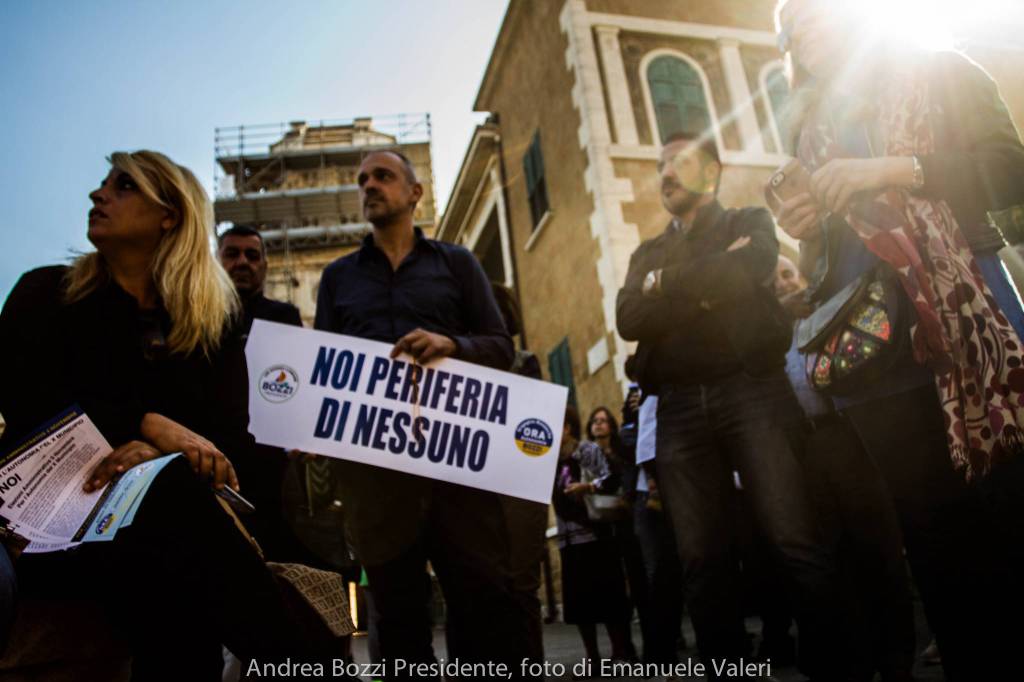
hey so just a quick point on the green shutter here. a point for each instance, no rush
(528, 169)
(538, 158)
(560, 369)
(677, 92)
(536, 188)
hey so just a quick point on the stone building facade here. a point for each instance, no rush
(561, 181)
(559, 187)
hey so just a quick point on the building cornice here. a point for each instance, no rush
(682, 29)
(484, 131)
(513, 15)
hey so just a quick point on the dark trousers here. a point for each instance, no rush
(178, 583)
(751, 425)
(628, 547)
(465, 540)
(861, 525)
(960, 546)
(664, 580)
(8, 591)
(262, 476)
(526, 522)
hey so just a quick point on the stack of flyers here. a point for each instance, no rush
(42, 496)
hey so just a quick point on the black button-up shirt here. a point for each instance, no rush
(439, 287)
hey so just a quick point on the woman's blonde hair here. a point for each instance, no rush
(194, 289)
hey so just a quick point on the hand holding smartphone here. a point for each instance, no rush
(785, 183)
(788, 194)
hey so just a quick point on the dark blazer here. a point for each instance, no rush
(261, 475)
(91, 352)
(978, 162)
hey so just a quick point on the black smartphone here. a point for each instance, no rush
(237, 502)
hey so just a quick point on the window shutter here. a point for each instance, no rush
(677, 92)
(560, 368)
(536, 187)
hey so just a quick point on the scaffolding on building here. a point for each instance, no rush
(296, 181)
(247, 156)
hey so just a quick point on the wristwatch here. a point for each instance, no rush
(918, 174)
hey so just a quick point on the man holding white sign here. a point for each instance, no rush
(432, 301)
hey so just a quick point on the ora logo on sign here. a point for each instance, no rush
(534, 437)
(278, 383)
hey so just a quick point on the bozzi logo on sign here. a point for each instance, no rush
(278, 383)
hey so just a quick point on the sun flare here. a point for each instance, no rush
(941, 24)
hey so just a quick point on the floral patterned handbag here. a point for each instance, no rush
(854, 338)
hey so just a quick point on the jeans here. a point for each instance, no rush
(751, 425)
(8, 591)
(999, 283)
(665, 581)
(959, 544)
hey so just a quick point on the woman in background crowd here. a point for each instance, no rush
(907, 151)
(603, 429)
(139, 334)
(593, 584)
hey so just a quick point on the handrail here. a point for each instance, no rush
(254, 139)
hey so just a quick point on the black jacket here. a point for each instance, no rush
(705, 287)
(977, 165)
(261, 475)
(978, 162)
(259, 307)
(91, 352)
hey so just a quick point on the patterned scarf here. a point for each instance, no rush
(959, 332)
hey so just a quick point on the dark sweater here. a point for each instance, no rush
(91, 352)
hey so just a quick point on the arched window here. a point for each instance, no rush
(677, 92)
(776, 92)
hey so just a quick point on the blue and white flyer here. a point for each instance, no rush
(42, 496)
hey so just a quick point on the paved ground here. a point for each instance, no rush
(563, 650)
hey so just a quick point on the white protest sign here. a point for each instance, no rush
(344, 397)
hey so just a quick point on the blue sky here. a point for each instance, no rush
(81, 79)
